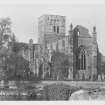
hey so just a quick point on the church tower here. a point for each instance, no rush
(50, 28)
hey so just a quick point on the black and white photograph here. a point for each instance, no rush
(52, 51)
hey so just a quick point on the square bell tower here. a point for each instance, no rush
(50, 28)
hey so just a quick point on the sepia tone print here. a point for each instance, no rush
(59, 66)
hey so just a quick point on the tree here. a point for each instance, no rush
(15, 48)
(40, 70)
(22, 67)
(65, 67)
(18, 68)
(60, 66)
(13, 38)
(5, 29)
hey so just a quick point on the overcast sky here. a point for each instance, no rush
(25, 18)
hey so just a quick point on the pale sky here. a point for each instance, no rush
(25, 18)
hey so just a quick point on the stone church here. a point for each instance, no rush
(80, 45)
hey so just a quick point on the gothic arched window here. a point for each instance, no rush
(82, 59)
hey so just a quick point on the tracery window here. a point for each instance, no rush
(82, 59)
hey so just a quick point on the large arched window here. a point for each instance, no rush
(82, 59)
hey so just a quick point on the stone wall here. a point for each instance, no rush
(57, 92)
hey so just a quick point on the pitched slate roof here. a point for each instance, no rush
(83, 31)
